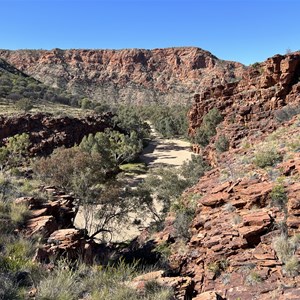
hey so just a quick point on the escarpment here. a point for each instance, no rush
(137, 76)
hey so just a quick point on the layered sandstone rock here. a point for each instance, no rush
(170, 75)
(53, 221)
(248, 105)
(231, 252)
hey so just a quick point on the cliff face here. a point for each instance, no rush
(249, 105)
(171, 75)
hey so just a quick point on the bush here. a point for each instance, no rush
(19, 213)
(65, 165)
(24, 105)
(169, 121)
(284, 247)
(129, 119)
(208, 127)
(218, 266)
(182, 223)
(7, 189)
(16, 254)
(236, 219)
(278, 196)
(253, 278)
(61, 284)
(153, 290)
(291, 267)
(165, 184)
(114, 147)
(8, 288)
(15, 151)
(267, 158)
(164, 250)
(222, 144)
(192, 170)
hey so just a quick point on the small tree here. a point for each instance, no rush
(192, 170)
(64, 165)
(222, 143)
(15, 151)
(24, 104)
(162, 186)
(115, 147)
(102, 199)
(208, 127)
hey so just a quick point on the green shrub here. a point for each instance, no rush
(61, 284)
(236, 219)
(267, 158)
(129, 118)
(24, 105)
(114, 147)
(67, 282)
(222, 144)
(17, 254)
(154, 290)
(278, 196)
(169, 121)
(8, 288)
(19, 213)
(192, 170)
(164, 250)
(284, 247)
(65, 165)
(253, 278)
(166, 185)
(255, 65)
(15, 151)
(86, 103)
(7, 188)
(182, 223)
(208, 127)
(218, 266)
(291, 267)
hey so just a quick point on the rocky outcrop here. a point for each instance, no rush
(231, 253)
(48, 132)
(48, 216)
(250, 104)
(170, 75)
(53, 221)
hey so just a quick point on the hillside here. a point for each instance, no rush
(243, 240)
(15, 85)
(138, 76)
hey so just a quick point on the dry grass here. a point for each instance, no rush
(8, 108)
(95, 282)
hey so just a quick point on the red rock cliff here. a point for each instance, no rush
(169, 75)
(249, 105)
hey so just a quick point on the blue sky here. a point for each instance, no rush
(240, 30)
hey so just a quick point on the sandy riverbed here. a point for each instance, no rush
(159, 152)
